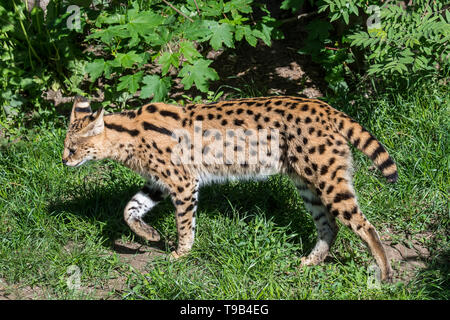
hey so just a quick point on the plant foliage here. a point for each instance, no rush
(140, 49)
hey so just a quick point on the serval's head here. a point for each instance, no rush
(85, 136)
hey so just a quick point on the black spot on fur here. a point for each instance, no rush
(369, 140)
(119, 128)
(386, 164)
(321, 148)
(149, 126)
(350, 133)
(151, 108)
(166, 113)
(347, 215)
(330, 189)
(377, 151)
(343, 196)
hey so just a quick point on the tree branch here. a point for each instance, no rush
(170, 5)
(299, 17)
(196, 5)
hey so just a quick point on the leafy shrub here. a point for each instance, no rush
(408, 41)
(133, 39)
(144, 49)
(409, 44)
(35, 52)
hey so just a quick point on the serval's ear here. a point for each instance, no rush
(81, 107)
(96, 124)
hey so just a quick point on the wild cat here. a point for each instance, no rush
(178, 149)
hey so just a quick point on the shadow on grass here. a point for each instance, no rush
(434, 280)
(275, 198)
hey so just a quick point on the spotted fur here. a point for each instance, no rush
(313, 151)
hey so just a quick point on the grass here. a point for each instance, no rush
(250, 235)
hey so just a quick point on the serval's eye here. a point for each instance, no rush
(71, 152)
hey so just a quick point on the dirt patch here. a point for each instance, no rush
(132, 254)
(409, 260)
(407, 257)
(135, 254)
(19, 292)
(263, 70)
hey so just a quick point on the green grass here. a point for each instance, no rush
(250, 235)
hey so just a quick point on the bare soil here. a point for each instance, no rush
(406, 261)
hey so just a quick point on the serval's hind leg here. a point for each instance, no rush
(342, 204)
(325, 223)
(138, 206)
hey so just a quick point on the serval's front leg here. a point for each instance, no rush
(138, 206)
(184, 197)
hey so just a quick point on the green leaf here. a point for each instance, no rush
(127, 60)
(199, 73)
(108, 68)
(188, 51)
(114, 18)
(95, 68)
(318, 29)
(142, 23)
(166, 59)
(106, 35)
(199, 30)
(264, 32)
(238, 5)
(212, 8)
(145, 20)
(130, 82)
(248, 33)
(406, 60)
(156, 86)
(345, 16)
(222, 33)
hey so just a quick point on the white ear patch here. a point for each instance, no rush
(83, 104)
